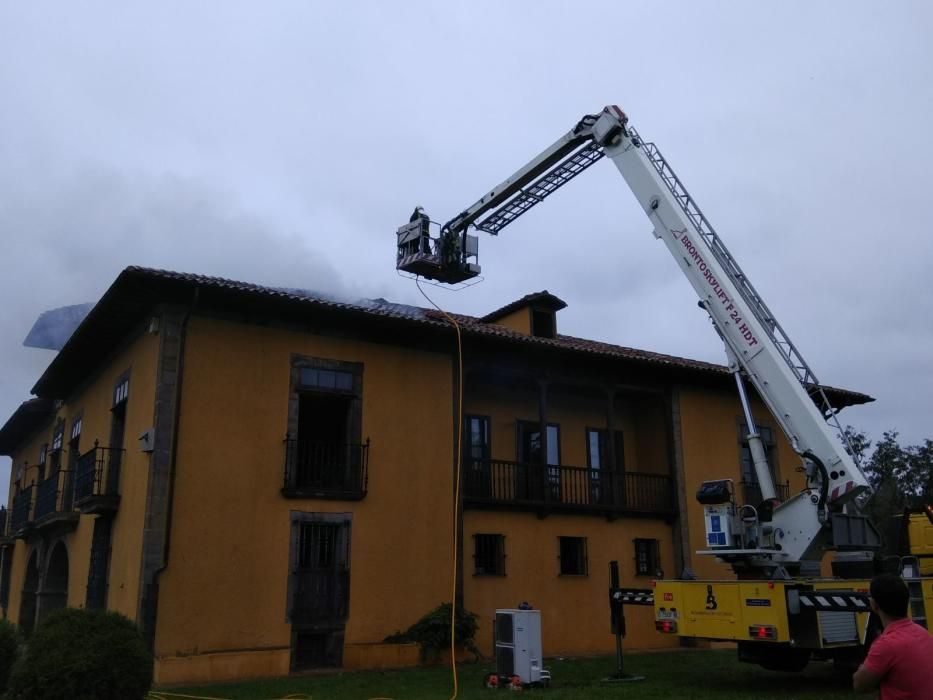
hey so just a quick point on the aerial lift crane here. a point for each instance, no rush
(775, 548)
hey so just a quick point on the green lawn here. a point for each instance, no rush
(678, 674)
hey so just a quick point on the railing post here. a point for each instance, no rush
(287, 444)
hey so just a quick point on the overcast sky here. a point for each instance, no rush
(283, 143)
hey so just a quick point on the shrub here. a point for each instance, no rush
(432, 632)
(9, 651)
(83, 655)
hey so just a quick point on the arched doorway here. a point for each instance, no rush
(54, 593)
(27, 605)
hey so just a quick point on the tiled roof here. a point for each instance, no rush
(545, 299)
(29, 417)
(138, 287)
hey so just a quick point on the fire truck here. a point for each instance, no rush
(778, 608)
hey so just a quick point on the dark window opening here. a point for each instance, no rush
(573, 556)
(325, 454)
(543, 323)
(647, 557)
(489, 555)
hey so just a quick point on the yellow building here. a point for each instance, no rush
(265, 479)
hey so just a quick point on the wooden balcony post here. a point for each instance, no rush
(542, 427)
(615, 474)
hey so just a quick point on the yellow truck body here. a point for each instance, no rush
(758, 611)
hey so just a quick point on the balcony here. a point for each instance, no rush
(751, 492)
(325, 470)
(21, 514)
(97, 480)
(560, 488)
(55, 502)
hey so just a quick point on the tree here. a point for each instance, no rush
(901, 477)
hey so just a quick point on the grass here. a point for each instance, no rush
(678, 674)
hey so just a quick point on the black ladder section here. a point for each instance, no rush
(780, 339)
(541, 188)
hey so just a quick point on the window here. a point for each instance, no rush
(55, 454)
(478, 469)
(327, 379)
(529, 454)
(647, 557)
(597, 449)
(318, 589)
(122, 390)
(477, 438)
(750, 486)
(572, 556)
(599, 462)
(325, 454)
(488, 555)
(542, 323)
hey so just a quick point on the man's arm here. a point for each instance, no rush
(865, 681)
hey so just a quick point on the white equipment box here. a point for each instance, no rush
(518, 645)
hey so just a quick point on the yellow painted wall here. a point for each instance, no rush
(225, 585)
(519, 320)
(93, 402)
(709, 428)
(574, 609)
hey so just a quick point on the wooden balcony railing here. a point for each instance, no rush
(325, 470)
(500, 483)
(97, 479)
(21, 514)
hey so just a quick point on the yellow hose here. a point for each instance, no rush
(456, 529)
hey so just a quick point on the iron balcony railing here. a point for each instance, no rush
(751, 492)
(97, 473)
(55, 495)
(326, 469)
(21, 515)
(502, 483)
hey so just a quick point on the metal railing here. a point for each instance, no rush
(55, 495)
(504, 482)
(751, 492)
(97, 473)
(21, 514)
(326, 467)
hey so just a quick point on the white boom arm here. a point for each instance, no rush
(802, 526)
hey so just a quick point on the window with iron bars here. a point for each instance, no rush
(647, 557)
(488, 555)
(573, 556)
